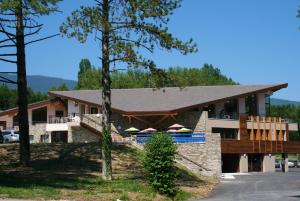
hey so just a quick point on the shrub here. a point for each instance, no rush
(159, 161)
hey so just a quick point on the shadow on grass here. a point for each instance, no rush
(71, 166)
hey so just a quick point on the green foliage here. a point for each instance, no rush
(62, 87)
(289, 112)
(90, 78)
(159, 161)
(9, 97)
(36, 7)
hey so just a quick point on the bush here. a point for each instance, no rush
(159, 161)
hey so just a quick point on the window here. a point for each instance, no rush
(251, 105)
(231, 108)
(94, 110)
(227, 133)
(16, 120)
(59, 113)
(39, 115)
(211, 109)
(44, 138)
(82, 109)
(6, 133)
(31, 138)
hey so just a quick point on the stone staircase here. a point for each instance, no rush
(93, 123)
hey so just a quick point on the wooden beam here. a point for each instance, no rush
(142, 120)
(161, 120)
(173, 117)
(147, 114)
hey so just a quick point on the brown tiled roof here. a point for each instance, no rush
(169, 99)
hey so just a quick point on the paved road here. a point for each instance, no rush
(260, 187)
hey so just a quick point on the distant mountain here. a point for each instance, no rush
(276, 101)
(42, 83)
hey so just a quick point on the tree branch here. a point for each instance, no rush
(41, 39)
(6, 80)
(10, 37)
(137, 43)
(3, 46)
(7, 60)
(33, 33)
(5, 40)
(7, 55)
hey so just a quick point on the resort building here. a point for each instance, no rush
(239, 136)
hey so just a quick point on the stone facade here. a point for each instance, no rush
(204, 158)
(79, 134)
(37, 130)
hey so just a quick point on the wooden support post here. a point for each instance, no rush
(275, 133)
(252, 133)
(280, 133)
(270, 138)
(264, 133)
(252, 128)
(263, 136)
(258, 133)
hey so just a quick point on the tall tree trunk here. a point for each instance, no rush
(22, 91)
(106, 99)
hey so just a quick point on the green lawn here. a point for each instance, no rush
(72, 171)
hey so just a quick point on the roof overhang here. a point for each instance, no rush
(174, 111)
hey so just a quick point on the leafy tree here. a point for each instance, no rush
(9, 97)
(90, 79)
(122, 28)
(62, 87)
(289, 112)
(84, 67)
(159, 161)
(138, 78)
(18, 22)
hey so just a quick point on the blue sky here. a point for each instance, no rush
(251, 41)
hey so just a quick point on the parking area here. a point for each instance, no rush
(259, 187)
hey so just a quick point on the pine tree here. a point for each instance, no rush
(122, 28)
(18, 22)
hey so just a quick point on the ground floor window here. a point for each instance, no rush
(44, 138)
(31, 138)
(59, 137)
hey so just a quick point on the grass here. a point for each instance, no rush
(72, 172)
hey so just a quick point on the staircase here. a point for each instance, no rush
(93, 123)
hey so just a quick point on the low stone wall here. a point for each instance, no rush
(37, 130)
(203, 158)
(79, 134)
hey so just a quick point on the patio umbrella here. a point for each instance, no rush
(172, 131)
(184, 130)
(148, 130)
(132, 129)
(176, 126)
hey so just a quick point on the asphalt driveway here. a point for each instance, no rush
(260, 187)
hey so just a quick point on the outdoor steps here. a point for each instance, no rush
(93, 122)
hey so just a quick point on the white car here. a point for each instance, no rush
(291, 164)
(10, 136)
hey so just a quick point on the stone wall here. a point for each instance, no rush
(203, 158)
(37, 130)
(79, 134)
